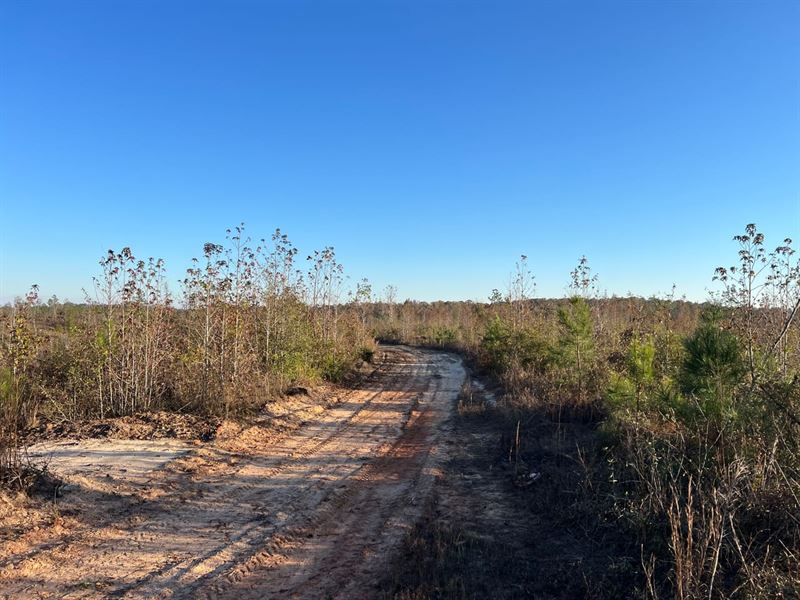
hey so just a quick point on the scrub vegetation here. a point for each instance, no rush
(662, 434)
(665, 433)
(254, 318)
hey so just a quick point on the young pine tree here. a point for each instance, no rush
(575, 350)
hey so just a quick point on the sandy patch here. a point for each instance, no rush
(132, 460)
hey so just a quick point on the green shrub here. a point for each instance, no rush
(712, 369)
(366, 354)
(575, 350)
(502, 347)
(334, 368)
(443, 336)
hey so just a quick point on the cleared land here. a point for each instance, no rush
(312, 512)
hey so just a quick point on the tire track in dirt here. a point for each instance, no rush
(177, 475)
(264, 523)
(256, 533)
(354, 524)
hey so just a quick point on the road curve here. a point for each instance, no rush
(314, 513)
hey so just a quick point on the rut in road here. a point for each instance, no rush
(314, 513)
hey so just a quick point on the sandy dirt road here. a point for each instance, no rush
(314, 513)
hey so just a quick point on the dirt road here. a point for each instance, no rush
(312, 513)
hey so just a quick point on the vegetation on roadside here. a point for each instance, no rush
(666, 432)
(252, 320)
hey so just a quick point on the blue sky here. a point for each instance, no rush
(431, 142)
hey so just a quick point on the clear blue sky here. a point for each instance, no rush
(430, 142)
